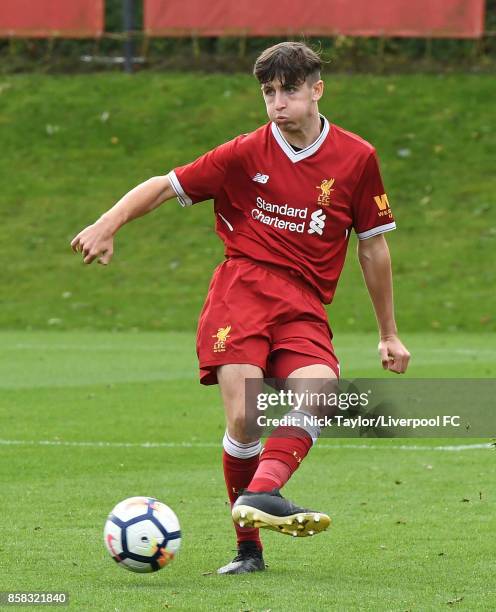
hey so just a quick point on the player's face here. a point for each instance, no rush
(292, 106)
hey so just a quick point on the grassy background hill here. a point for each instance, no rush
(72, 145)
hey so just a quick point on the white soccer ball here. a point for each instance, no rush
(142, 534)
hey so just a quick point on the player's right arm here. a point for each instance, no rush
(97, 240)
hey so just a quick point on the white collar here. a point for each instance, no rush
(296, 156)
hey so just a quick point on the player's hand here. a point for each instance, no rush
(394, 355)
(95, 241)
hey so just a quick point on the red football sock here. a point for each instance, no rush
(238, 472)
(284, 450)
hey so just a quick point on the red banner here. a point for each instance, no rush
(47, 18)
(423, 18)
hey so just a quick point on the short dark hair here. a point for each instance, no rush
(290, 62)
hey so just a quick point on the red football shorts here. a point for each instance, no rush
(261, 315)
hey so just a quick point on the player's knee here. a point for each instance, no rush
(317, 395)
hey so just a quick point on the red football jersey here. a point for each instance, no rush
(290, 208)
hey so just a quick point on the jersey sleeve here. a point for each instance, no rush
(371, 211)
(203, 178)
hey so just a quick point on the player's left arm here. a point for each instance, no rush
(373, 254)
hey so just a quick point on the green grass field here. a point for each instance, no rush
(99, 398)
(72, 145)
(91, 418)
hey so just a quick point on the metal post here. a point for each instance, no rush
(128, 26)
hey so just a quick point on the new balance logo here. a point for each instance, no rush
(261, 178)
(317, 222)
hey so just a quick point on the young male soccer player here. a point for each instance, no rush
(286, 199)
